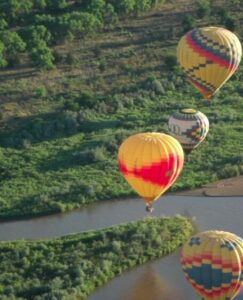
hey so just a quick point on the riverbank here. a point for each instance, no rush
(78, 264)
(231, 187)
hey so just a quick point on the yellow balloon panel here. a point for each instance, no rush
(209, 56)
(150, 162)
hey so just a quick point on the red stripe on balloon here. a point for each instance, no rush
(199, 86)
(160, 173)
(208, 55)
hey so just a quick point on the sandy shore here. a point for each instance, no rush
(232, 187)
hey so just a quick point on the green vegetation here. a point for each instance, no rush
(38, 24)
(72, 266)
(60, 129)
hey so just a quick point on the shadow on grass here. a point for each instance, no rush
(21, 132)
(71, 158)
(16, 73)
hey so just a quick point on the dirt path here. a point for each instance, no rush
(232, 187)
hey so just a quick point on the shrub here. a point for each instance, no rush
(97, 154)
(36, 34)
(41, 56)
(188, 23)
(231, 23)
(13, 45)
(157, 87)
(229, 171)
(3, 24)
(3, 62)
(170, 62)
(41, 92)
(203, 8)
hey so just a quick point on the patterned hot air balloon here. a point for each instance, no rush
(189, 127)
(209, 56)
(150, 162)
(212, 262)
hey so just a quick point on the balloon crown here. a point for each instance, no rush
(188, 111)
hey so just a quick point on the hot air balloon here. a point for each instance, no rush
(209, 56)
(150, 162)
(189, 127)
(212, 262)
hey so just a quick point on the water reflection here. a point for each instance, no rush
(151, 286)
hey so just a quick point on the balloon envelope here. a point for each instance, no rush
(150, 162)
(212, 262)
(209, 56)
(189, 127)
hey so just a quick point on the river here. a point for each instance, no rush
(161, 279)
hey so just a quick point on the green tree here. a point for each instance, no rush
(3, 61)
(124, 6)
(203, 8)
(14, 45)
(41, 56)
(110, 16)
(34, 34)
(56, 4)
(96, 7)
(13, 8)
(141, 5)
(40, 4)
(231, 23)
(3, 24)
(188, 23)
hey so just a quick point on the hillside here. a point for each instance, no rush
(61, 126)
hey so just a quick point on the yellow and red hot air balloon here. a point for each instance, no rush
(150, 162)
(212, 262)
(209, 56)
(189, 127)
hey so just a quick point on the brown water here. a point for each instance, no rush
(158, 280)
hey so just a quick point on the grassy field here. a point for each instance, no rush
(60, 129)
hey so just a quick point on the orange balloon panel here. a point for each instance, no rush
(150, 162)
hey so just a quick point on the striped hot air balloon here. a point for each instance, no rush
(212, 262)
(189, 127)
(150, 162)
(209, 56)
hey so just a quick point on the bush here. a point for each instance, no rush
(41, 56)
(203, 8)
(229, 171)
(41, 92)
(231, 23)
(36, 34)
(97, 7)
(170, 62)
(188, 23)
(157, 87)
(124, 7)
(3, 24)
(97, 154)
(54, 5)
(13, 46)
(3, 62)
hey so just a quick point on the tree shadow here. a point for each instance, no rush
(21, 132)
(17, 73)
(70, 158)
